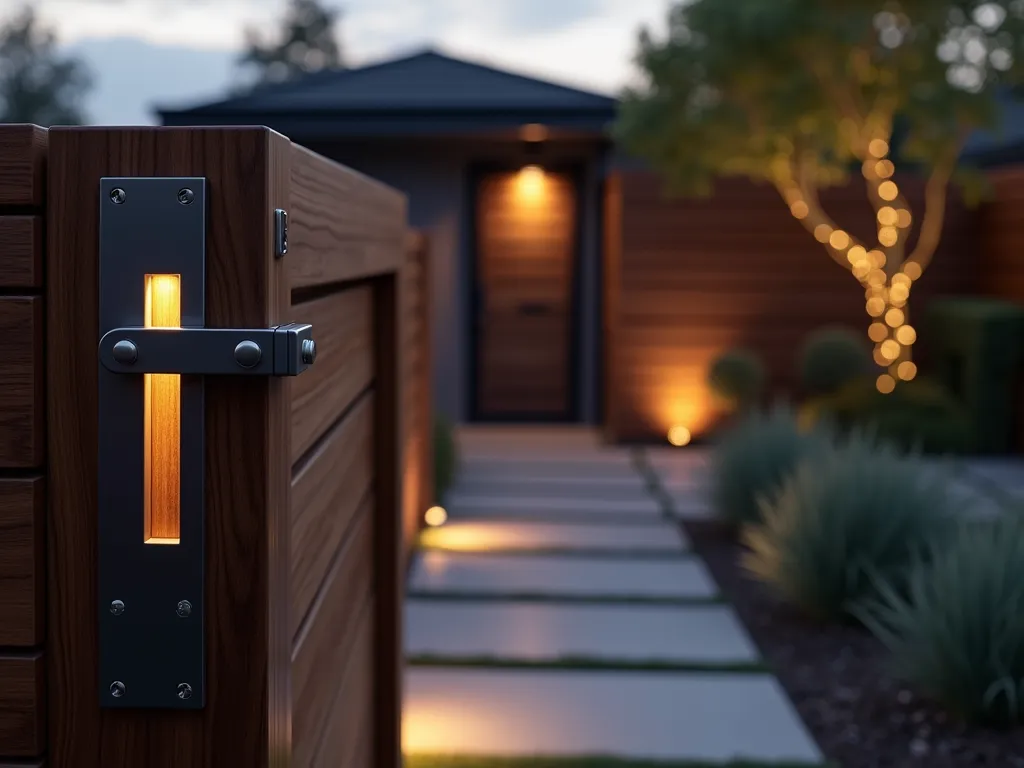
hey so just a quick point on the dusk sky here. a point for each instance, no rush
(146, 52)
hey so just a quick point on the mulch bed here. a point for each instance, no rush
(837, 678)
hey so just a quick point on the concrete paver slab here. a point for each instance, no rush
(462, 504)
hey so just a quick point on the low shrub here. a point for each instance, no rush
(917, 415)
(737, 377)
(446, 457)
(957, 633)
(752, 459)
(859, 513)
(830, 358)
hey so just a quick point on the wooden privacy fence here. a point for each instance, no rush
(309, 481)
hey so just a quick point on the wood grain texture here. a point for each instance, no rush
(246, 713)
(22, 165)
(525, 246)
(695, 277)
(326, 494)
(22, 404)
(22, 562)
(388, 571)
(22, 705)
(343, 226)
(322, 652)
(21, 252)
(343, 328)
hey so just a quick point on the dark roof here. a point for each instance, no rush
(429, 87)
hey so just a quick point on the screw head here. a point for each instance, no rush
(248, 353)
(117, 689)
(125, 352)
(308, 351)
(117, 196)
(184, 691)
(186, 196)
(117, 607)
(184, 608)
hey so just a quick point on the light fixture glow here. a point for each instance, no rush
(878, 148)
(435, 516)
(885, 383)
(162, 430)
(679, 436)
(888, 191)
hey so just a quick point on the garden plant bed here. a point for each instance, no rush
(837, 677)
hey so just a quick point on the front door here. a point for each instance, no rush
(526, 241)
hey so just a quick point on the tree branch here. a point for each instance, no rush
(936, 195)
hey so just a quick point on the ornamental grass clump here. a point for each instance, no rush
(956, 633)
(753, 459)
(860, 513)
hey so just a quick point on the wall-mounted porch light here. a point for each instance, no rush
(154, 353)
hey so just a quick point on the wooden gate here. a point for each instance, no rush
(304, 476)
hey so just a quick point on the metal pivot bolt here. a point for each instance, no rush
(308, 351)
(117, 196)
(184, 608)
(248, 353)
(280, 232)
(117, 689)
(186, 196)
(184, 691)
(125, 352)
(117, 607)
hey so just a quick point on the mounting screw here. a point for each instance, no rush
(117, 607)
(248, 353)
(280, 232)
(117, 196)
(308, 351)
(125, 352)
(184, 691)
(186, 196)
(184, 608)
(117, 689)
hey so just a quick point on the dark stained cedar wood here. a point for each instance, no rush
(1001, 268)
(21, 251)
(326, 493)
(22, 407)
(22, 562)
(613, 280)
(245, 721)
(524, 256)
(22, 165)
(347, 739)
(22, 705)
(342, 225)
(24, 764)
(690, 278)
(322, 651)
(343, 327)
(387, 539)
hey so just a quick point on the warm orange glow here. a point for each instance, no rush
(839, 240)
(887, 216)
(162, 437)
(888, 236)
(894, 317)
(885, 168)
(879, 358)
(822, 233)
(878, 258)
(857, 254)
(679, 436)
(899, 294)
(906, 370)
(435, 516)
(906, 335)
(903, 218)
(531, 183)
(878, 148)
(878, 332)
(912, 270)
(875, 306)
(533, 132)
(890, 349)
(885, 383)
(799, 209)
(888, 191)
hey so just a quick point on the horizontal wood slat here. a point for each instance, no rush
(22, 705)
(22, 405)
(343, 326)
(21, 252)
(328, 637)
(342, 225)
(326, 495)
(22, 165)
(22, 561)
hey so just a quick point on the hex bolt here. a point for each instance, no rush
(184, 691)
(125, 352)
(117, 196)
(248, 353)
(186, 196)
(117, 607)
(117, 689)
(308, 351)
(184, 608)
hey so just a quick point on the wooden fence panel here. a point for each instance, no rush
(303, 476)
(22, 447)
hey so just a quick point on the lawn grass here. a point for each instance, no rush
(546, 597)
(441, 761)
(589, 664)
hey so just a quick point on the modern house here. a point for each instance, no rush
(567, 286)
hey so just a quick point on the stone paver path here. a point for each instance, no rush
(560, 612)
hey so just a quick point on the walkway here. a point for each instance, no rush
(560, 613)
